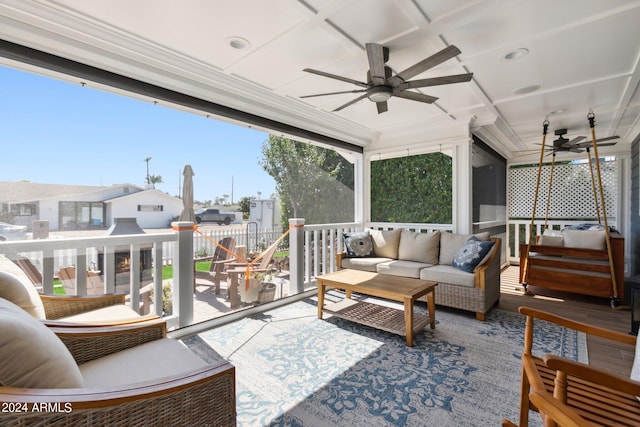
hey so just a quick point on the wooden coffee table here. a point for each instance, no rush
(396, 288)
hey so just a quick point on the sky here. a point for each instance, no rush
(55, 132)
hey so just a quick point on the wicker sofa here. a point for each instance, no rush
(433, 256)
(129, 375)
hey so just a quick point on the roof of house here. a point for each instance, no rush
(25, 191)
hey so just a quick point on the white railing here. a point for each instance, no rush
(246, 235)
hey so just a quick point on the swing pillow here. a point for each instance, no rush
(584, 239)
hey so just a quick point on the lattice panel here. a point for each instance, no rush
(572, 193)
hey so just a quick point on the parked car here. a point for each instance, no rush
(214, 215)
(12, 232)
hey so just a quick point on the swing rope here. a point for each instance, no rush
(545, 128)
(592, 119)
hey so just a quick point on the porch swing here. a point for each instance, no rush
(589, 264)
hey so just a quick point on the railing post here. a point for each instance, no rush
(183, 273)
(296, 254)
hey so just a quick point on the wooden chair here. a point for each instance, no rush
(235, 270)
(595, 396)
(31, 271)
(553, 411)
(220, 258)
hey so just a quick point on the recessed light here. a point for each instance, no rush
(238, 43)
(517, 54)
(526, 89)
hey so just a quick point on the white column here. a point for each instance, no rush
(462, 189)
(183, 273)
(296, 255)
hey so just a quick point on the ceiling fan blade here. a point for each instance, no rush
(375, 55)
(333, 76)
(422, 66)
(353, 101)
(574, 141)
(382, 107)
(588, 144)
(335, 93)
(415, 96)
(436, 81)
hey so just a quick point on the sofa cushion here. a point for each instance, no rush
(16, 287)
(155, 359)
(358, 244)
(450, 244)
(448, 274)
(471, 253)
(419, 247)
(635, 369)
(385, 242)
(584, 239)
(32, 355)
(364, 264)
(402, 268)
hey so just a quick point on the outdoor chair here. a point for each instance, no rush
(553, 411)
(127, 375)
(221, 256)
(584, 393)
(30, 270)
(107, 309)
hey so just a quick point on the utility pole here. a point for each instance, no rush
(232, 189)
(147, 160)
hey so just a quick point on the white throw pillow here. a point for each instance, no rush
(584, 239)
(32, 355)
(385, 242)
(419, 247)
(16, 287)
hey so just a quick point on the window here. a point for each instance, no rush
(79, 215)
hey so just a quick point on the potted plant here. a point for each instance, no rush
(250, 289)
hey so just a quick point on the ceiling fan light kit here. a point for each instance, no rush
(381, 84)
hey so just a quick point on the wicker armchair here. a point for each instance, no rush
(161, 391)
(110, 309)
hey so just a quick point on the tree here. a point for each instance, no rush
(313, 183)
(155, 179)
(245, 204)
(414, 189)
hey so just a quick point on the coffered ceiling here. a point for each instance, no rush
(250, 55)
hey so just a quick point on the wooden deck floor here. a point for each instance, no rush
(596, 311)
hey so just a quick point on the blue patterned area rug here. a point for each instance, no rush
(295, 370)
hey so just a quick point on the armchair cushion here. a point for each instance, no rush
(16, 287)
(635, 370)
(119, 313)
(358, 244)
(32, 355)
(165, 356)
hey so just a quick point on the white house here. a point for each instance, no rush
(71, 207)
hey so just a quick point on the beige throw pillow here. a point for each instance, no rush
(419, 247)
(385, 242)
(16, 287)
(32, 355)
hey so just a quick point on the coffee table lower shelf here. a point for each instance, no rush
(377, 316)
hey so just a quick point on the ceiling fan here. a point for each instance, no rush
(382, 84)
(575, 145)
